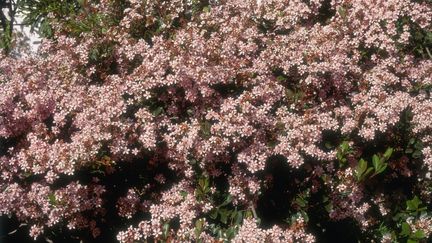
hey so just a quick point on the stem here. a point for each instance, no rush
(253, 211)
(428, 52)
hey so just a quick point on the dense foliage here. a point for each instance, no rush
(221, 121)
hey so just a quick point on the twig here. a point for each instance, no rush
(428, 52)
(13, 231)
(253, 211)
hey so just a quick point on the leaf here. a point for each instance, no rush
(362, 166)
(289, 93)
(328, 207)
(409, 151)
(413, 204)
(239, 218)
(206, 129)
(230, 233)
(198, 227)
(342, 12)
(418, 145)
(388, 153)
(381, 169)
(406, 229)
(165, 229)
(157, 111)
(204, 184)
(213, 214)
(376, 162)
(183, 194)
(419, 234)
(417, 154)
(345, 146)
(281, 78)
(228, 200)
(52, 199)
(233, 214)
(301, 202)
(272, 143)
(368, 172)
(223, 216)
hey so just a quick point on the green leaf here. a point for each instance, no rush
(328, 145)
(213, 214)
(342, 12)
(418, 145)
(409, 151)
(300, 201)
(52, 199)
(228, 200)
(239, 218)
(406, 229)
(413, 204)
(368, 172)
(381, 169)
(376, 162)
(272, 143)
(157, 111)
(328, 207)
(165, 229)
(419, 234)
(198, 227)
(248, 214)
(206, 9)
(362, 166)
(206, 129)
(345, 146)
(388, 153)
(223, 216)
(183, 194)
(281, 78)
(417, 154)
(230, 233)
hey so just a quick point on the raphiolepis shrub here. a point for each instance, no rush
(223, 121)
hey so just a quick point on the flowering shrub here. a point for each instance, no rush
(217, 121)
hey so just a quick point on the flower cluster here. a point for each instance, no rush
(223, 120)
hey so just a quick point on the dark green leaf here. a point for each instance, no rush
(183, 194)
(419, 234)
(418, 145)
(417, 154)
(413, 204)
(406, 229)
(409, 150)
(223, 216)
(228, 200)
(367, 173)
(157, 111)
(213, 214)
